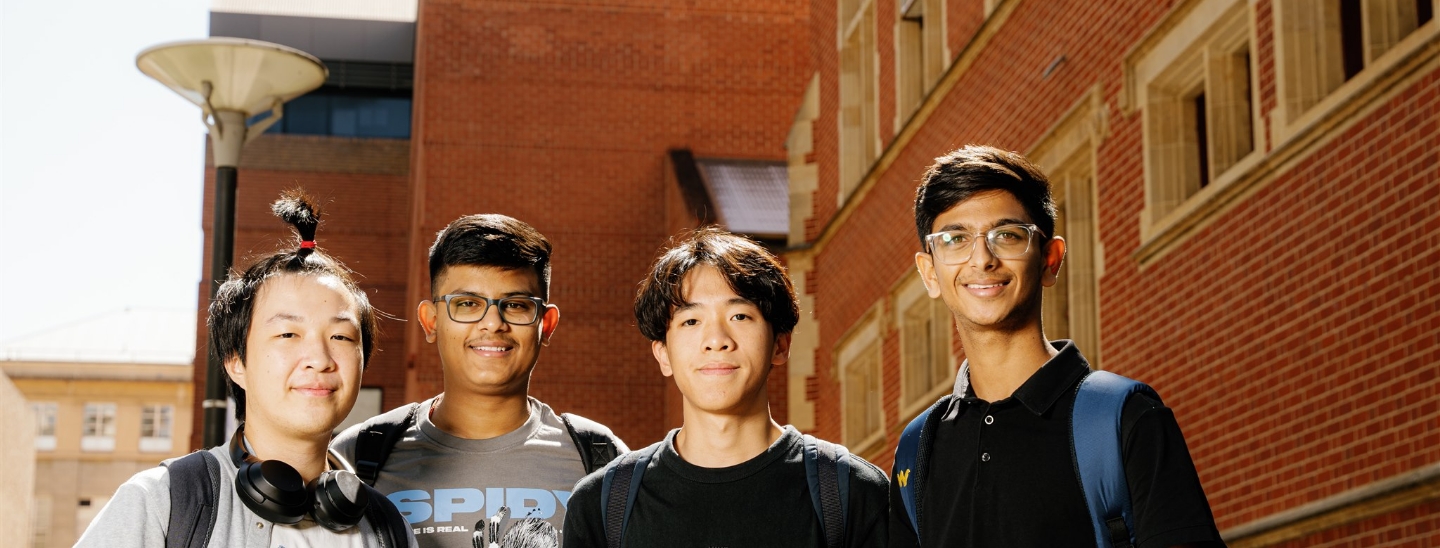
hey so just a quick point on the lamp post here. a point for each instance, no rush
(232, 80)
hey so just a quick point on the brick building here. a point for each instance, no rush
(1250, 182)
(609, 126)
(1249, 189)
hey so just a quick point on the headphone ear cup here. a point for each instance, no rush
(274, 491)
(340, 500)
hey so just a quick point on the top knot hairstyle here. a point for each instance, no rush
(752, 272)
(972, 169)
(230, 312)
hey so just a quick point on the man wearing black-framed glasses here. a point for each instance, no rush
(483, 443)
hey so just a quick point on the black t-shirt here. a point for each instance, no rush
(1002, 473)
(762, 502)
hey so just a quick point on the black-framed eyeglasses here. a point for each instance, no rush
(1004, 242)
(513, 310)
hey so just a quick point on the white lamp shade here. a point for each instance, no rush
(245, 75)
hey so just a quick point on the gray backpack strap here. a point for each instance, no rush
(595, 443)
(377, 438)
(618, 491)
(827, 472)
(194, 491)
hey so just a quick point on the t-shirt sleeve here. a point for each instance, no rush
(1165, 492)
(867, 522)
(584, 527)
(136, 516)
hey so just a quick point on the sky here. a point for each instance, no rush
(101, 168)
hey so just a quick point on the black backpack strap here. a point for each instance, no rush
(595, 442)
(387, 521)
(618, 491)
(194, 491)
(377, 438)
(827, 472)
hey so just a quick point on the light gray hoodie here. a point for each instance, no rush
(139, 514)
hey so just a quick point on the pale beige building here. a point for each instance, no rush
(109, 396)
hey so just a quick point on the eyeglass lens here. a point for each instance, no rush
(957, 246)
(513, 310)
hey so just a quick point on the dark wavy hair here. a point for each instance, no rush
(972, 169)
(491, 240)
(230, 312)
(752, 272)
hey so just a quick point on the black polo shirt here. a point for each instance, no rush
(1002, 474)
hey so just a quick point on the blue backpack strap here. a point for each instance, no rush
(827, 473)
(910, 463)
(194, 491)
(618, 491)
(1096, 446)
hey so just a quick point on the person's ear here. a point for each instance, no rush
(236, 370)
(782, 349)
(426, 313)
(548, 323)
(925, 264)
(662, 356)
(1054, 258)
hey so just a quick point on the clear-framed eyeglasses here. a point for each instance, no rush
(513, 310)
(1005, 242)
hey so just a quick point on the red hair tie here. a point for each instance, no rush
(307, 244)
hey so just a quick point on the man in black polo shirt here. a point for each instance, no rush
(999, 469)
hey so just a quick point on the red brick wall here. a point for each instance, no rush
(360, 185)
(560, 114)
(1295, 336)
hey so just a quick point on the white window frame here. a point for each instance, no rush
(861, 353)
(46, 418)
(912, 302)
(921, 54)
(97, 431)
(159, 439)
(859, 116)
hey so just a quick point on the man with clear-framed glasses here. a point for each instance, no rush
(483, 443)
(1000, 461)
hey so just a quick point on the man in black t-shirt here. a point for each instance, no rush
(998, 468)
(719, 310)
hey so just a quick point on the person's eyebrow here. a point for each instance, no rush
(285, 317)
(1001, 222)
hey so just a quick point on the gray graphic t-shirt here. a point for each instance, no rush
(444, 484)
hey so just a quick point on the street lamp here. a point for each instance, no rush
(232, 80)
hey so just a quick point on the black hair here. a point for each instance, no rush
(230, 312)
(972, 169)
(752, 272)
(491, 240)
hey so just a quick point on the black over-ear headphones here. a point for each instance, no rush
(275, 491)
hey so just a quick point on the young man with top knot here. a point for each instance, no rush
(719, 310)
(294, 333)
(1033, 449)
(484, 443)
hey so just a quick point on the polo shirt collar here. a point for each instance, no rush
(1045, 387)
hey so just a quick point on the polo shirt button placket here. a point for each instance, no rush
(985, 457)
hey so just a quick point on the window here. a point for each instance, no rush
(156, 422)
(98, 431)
(1322, 44)
(1198, 101)
(859, 117)
(859, 360)
(1071, 306)
(927, 364)
(347, 113)
(920, 56)
(45, 425)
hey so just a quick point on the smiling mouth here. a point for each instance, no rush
(491, 349)
(315, 391)
(719, 369)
